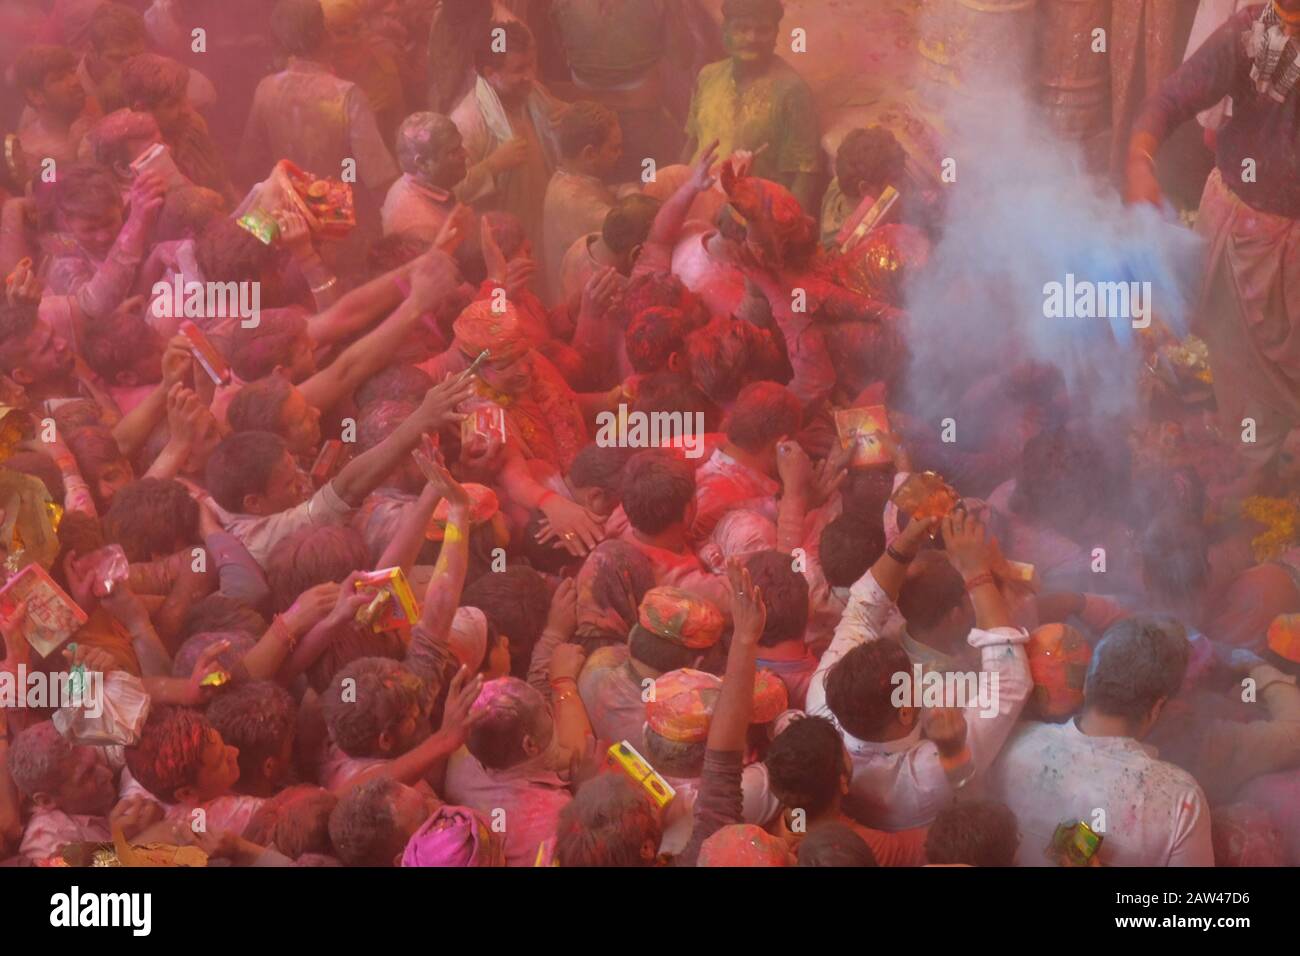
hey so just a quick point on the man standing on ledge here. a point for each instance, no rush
(1249, 312)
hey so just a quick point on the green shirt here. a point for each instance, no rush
(775, 108)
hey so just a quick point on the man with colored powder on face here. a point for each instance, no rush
(754, 100)
(58, 113)
(433, 160)
(508, 122)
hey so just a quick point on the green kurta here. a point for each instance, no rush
(775, 108)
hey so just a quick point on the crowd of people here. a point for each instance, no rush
(393, 596)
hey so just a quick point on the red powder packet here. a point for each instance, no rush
(206, 354)
(52, 616)
(861, 428)
(328, 462)
(484, 427)
(328, 200)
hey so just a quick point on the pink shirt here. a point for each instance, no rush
(416, 208)
(721, 484)
(49, 830)
(529, 800)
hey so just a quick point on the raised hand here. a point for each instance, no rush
(294, 233)
(438, 477)
(434, 276)
(946, 726)
(562, 617)
(748, 612)
(702, 177)
(311, 607)
(830, 473)
(439, 405)
(148, 192)
(458, 713)
(177, 361)
(967, 542)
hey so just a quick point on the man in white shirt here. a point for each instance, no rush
(902, 778)
(1095, 769)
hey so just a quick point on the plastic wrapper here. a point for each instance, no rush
(860, 429)
(15, 426)
(1019, 573)
(122, 852)
(125, 706)
(1074, 844)
(327, 204)
(206, 354)
(109, 568)
(158, 159)
(28, 531)
(393, 605)
(52, 617)
(329, 462)
(869, 214)
(925, 495)
(261, 224)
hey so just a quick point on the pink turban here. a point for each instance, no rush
(454, 836)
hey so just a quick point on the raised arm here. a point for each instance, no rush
(442, 596)
(433, 277)
(657, 254)
(1204, 79)
(429, 756)
(136, 426)
(367, 471)
(720, 802)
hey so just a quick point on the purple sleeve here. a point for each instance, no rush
(241, 577)
(719, 802)
(1205, 78)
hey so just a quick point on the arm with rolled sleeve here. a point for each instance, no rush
(865, 617)
(260, 534)
(1003, 657)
